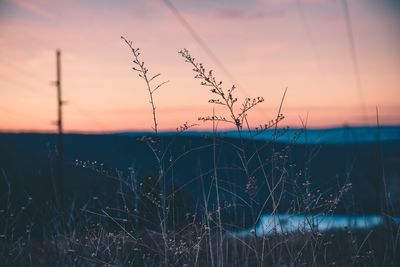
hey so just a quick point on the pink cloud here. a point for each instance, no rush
(239, 14)
(32, 7)
(231, 14)
(282, 2)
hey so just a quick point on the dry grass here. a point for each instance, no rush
(145, 225)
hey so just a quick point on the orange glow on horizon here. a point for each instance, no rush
(265, 45)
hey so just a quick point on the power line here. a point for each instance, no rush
(33, 76)
(25, 86)
(18, 113)
(25, 73)
(207, 49)
(311, 40)
(28, 87)
(82, 111)
(202, 43)
(100, 126)
(354, 59)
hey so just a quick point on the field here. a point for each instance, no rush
(108, 212)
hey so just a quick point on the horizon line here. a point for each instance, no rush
(168, 131)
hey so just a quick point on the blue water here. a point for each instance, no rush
(282, 223)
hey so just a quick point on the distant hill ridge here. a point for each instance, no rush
(340, 135)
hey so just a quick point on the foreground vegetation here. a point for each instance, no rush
(148, 221)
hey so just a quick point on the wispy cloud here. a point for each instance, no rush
(32, 7)
(240, 14)
(284, 2)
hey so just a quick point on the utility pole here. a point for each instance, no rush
(60, 141)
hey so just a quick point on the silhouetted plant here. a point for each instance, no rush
(148, 222)
(223, 97)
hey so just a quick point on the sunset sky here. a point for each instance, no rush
(263, 45)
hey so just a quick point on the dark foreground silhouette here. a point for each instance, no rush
(109, 176)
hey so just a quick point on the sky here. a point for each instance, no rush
(337, 71)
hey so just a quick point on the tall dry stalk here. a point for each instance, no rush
(143, 72)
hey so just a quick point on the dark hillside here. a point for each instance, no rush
(27, 160)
